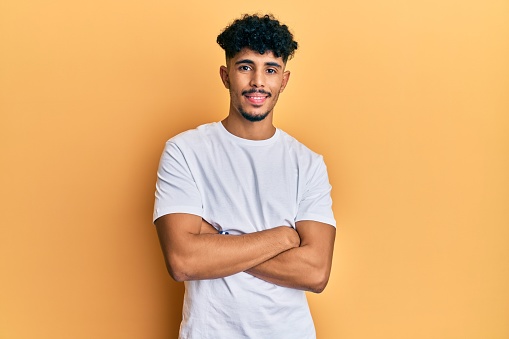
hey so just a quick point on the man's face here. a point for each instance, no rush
(254, 81)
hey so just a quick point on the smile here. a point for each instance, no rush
(257, 100)
(256, 97)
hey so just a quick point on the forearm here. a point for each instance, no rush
(292, 269)
(206, 255)
(215, 256)
(306, 267)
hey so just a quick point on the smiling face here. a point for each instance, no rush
(254, 81)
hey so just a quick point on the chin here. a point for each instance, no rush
(254, 117)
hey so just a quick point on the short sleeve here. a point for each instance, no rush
(316, 202)
(176, 190)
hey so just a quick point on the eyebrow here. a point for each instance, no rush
(251, 62)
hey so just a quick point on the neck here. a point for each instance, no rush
(242, 128)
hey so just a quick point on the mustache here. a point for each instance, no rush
(252, 91)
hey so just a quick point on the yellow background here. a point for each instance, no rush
(408, 101)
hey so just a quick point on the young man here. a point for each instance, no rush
(243, 210)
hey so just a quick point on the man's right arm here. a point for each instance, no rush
(191, 255)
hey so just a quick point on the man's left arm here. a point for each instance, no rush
(306, 267)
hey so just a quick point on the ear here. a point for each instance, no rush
(286, 77)
(223, 73)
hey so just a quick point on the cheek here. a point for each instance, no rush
(278, 83)
(235, 85)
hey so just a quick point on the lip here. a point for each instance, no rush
(256, 99)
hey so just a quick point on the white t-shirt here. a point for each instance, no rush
(243, 186)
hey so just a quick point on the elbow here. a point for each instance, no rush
(319, 282)
(178, 269)
(176, 275)
(318, 287)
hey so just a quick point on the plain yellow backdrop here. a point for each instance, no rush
(408, 101)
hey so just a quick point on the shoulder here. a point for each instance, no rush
(187, 143)
(304, 154)
(196, 134)
(194, 138)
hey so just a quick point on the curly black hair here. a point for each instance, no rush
(259, 33)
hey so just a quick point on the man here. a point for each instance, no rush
(243, 210)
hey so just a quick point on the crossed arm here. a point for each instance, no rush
(299, 259)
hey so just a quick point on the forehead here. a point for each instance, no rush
(249, 54)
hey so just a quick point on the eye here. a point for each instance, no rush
(244, 68)
(271, 71)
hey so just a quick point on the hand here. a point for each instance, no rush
(290, 235)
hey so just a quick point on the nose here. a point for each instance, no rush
(257, 79)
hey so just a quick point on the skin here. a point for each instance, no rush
(194, 252)
(306, 267)
(251, 71)
(299, 258)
